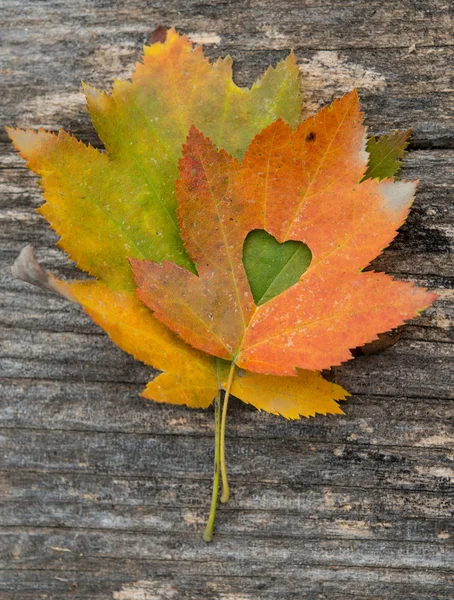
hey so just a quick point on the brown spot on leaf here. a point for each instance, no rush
(310, 137)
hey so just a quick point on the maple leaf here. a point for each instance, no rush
(109, 207)
(386, 154)
(296, 185)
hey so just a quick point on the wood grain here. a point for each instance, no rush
(103, 494)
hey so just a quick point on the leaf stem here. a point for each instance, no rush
(208, 534)
(225, 484)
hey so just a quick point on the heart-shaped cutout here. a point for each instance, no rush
(271, 267)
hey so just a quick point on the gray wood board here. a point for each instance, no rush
(103, 494)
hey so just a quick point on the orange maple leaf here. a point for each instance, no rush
(301, 185)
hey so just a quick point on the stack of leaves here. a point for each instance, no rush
(227, 239)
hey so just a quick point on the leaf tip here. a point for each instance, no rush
(136, 266)
(28, 141)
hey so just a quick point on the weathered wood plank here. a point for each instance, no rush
(101, 407)
(425, 468)
(86, 490)
(37, 550)
(250, 24)
(264, 524)
(168, 581)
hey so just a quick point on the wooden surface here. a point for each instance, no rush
(104, 495)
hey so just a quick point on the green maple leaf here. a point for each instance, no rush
(386, 154)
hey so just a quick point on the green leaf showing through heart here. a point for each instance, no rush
(271, 267)
(385, 154)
